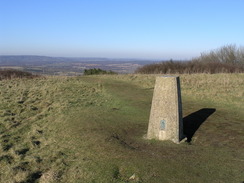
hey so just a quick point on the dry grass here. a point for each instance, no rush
(222, 89)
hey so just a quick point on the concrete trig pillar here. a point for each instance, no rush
(165, 121)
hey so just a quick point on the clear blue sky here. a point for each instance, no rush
(157, 29)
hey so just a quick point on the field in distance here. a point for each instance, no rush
(92, 129)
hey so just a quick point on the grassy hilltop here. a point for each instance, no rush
(92, 128)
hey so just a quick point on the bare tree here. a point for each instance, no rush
(229, 54)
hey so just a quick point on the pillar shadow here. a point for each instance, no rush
(192, 122)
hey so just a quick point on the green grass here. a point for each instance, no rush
(91, 129)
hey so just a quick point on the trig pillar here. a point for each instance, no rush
(165, 121)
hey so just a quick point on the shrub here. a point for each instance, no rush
(11, 73)
(226, 54)
(97, 72)
(227, 59)
(189, 67)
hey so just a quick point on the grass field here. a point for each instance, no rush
(92, 129)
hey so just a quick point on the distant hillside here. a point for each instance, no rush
(33, 59)
(68, 65)
(37, 60)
